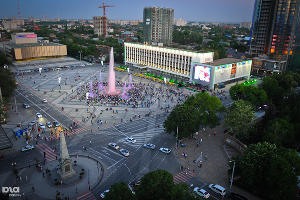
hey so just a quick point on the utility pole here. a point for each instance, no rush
(16, 103)
(80, 52)
(231, 181)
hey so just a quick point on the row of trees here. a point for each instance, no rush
(154, 185)
(270, 165)
(198, 110)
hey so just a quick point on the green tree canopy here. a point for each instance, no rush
(256, 96)
(119, 191)
(240, 118)
(7, 83)
(198, 110)
(269, 171)
(155, 185)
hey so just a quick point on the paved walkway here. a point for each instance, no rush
(214, 165)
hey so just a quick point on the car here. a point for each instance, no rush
(25, 105)
(113, 145)
(102, 195)
(124, 152)
(235, 196)
(149, 146)
(49, 124)
(39, 115)
(133, 186)
(44, 100)
(32, 123)
(201, 192)
(56, 124)
(218, 189)
(131, 140)
(41, 125)
(165, 150)
(27, 148)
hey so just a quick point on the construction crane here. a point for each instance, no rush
(104, 16)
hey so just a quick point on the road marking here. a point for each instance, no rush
(115, 163)
(98, 153)
(120, 131)
(113, 151)
(36, 106)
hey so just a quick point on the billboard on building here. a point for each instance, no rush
(202, 73)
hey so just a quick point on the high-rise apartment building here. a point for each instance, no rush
(158, 25)
(273, 28)
(99, 24)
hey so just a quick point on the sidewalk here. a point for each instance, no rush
(214, 159)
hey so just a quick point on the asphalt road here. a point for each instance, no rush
(117, 167)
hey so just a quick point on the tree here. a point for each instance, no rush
(155, 185)
(119, 191)
(240, 118)
(181, 192)
(269, 171)
(280, 132)
(7, 83)
(4, 60)
(256, 96)
(198, 110)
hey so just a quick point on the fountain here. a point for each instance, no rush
(111, 76)
(100, 85)
(130, 82)
(91, 90)
(124, 93)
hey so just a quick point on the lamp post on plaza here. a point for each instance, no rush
(80, 52)
(231, 180)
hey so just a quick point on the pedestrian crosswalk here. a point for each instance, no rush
(75, 131)
(50, 155)
(183, 176)
(144, 137)
(86, 196)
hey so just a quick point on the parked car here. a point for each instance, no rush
(102, 195)
(32, 123)
(27, 148)
(124, 152)
(49, 124)
(149, 146)
(44, 100)
(56, 124)
(218, 189)
(39, 115)
(131, 140)
(113, 146)
(41, 125)
(165, 150)
(201, 192)
(25, 105)
(235, 196)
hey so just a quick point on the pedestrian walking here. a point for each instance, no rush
(215, 133)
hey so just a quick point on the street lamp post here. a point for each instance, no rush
(80, 52)
(231, 181)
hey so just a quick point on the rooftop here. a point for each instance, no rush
(33, 44)
(225, 61)
(173, 48)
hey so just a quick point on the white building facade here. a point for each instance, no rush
(172, 61)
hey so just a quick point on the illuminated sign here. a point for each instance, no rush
(202, 73)
(27, 36)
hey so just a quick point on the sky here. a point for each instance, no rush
(191, 10)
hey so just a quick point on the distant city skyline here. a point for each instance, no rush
(190, 10)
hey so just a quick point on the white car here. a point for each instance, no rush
(113, 145)
(32, 123)
(41, 125)
(131, 140)
(124, 152)
(39, 115)
(165, 150)
(102, 195)
(218, 189)
(49, 124)
(27, 148)
(201, 192)
(44, 100)
(149, 146)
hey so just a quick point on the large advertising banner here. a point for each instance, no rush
(202, 73)
(233, 70)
